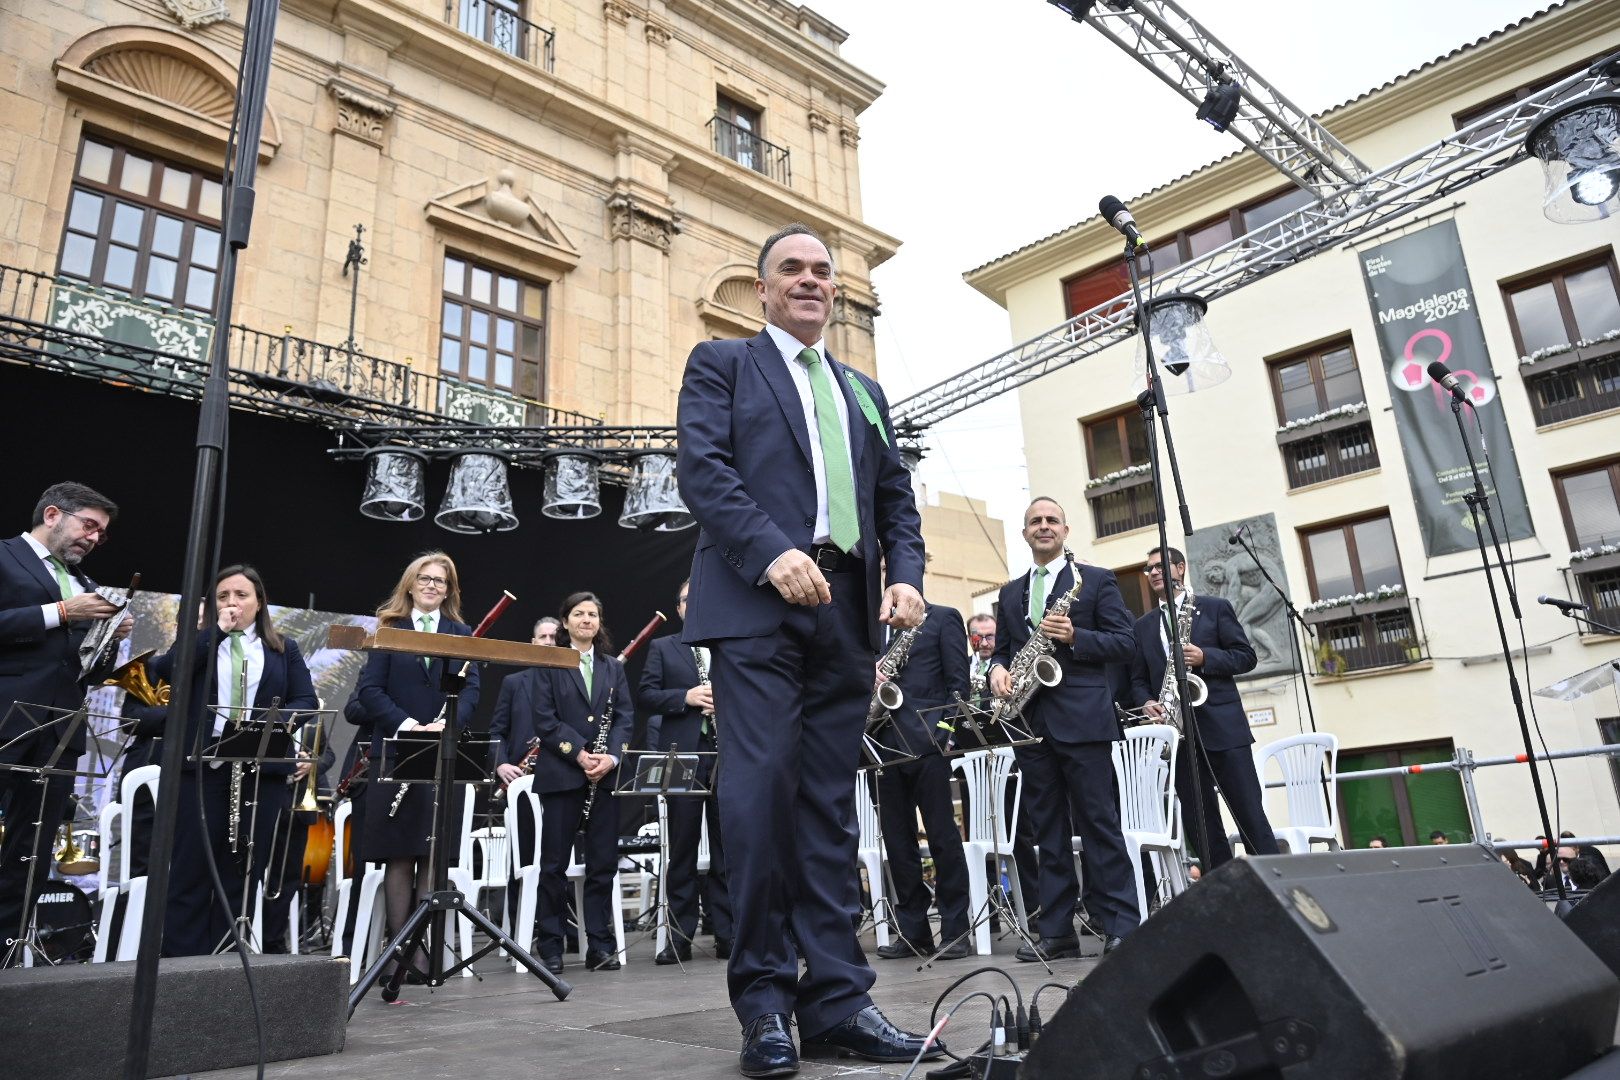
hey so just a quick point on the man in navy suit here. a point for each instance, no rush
(1072, 765)
(787, 459)
(1217, 651)
(682, 703)
(47, 606)
(935, 673)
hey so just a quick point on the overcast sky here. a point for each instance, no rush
(1004, 122)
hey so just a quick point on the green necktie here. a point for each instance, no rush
(585, 670)
(426, 622)
(62, 578)
(1037, 597)
(843, 525)
(238, 666)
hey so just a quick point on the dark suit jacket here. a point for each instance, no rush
(512, 725)
(38, 666)
(554, 700)
(936, 671)
(285, 677)
(745, 472)
(396, 686)
(1080, 708)
(1222, 723)
(669, 673)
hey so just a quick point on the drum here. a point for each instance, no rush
(81, 855)
(62, 916)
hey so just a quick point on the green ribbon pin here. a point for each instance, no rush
(869, 409)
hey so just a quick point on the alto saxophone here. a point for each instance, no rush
(599, 747)
(1034, 666)
(1169, 698)
(887, 696)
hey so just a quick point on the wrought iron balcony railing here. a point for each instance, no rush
(1327, 450)
(1578, 383)
(1361, 637)
(1122, 505)
(501, 24)
(748, 149)
(80, 329)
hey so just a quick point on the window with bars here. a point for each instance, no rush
(1568, 320)
(1307, 385)
(1115, 443)
(1359, 557)
(492, 331)
(142, 226)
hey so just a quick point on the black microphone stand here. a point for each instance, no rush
(1151, 401)
(1479, 504)
(1589, 625)
(1296, 626)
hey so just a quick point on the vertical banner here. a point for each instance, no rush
(1424, 309)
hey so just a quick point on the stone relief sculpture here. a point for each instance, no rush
(1226, 570)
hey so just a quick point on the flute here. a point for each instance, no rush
(481, 630)
(640, 639)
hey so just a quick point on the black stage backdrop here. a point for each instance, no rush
(293, 511)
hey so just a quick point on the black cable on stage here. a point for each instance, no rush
(933, 1014)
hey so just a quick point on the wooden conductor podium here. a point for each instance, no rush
(429, 923)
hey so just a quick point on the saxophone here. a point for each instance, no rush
(887, 697)
(599, 747)
(1169, 692)
(1034, 666)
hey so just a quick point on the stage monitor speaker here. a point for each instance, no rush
(1596, 921)
(71, 1022)
(1413, 963)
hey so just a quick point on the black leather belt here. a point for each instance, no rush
(830, 560)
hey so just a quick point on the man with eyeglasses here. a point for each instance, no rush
(47, 606)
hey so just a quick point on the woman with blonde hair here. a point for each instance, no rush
(401, 692)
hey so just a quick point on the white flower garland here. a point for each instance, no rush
(1568, 346)
(1593, 553)
(1331, 414)
(1118, 474)
(1383, 592)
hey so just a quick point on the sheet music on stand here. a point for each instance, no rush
(411, 757)
(977, 730)
(665, 772)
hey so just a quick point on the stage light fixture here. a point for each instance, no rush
(1220, 106)
(653, 501)
(478, 498)
(572, 485)
(1182, 346)
(396, 484)
(1578, 146)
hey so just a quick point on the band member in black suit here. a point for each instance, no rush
(242, 662)
(1073, 762)
(682, 704)
(1217, 652)
(982, 647)
(788, 462)
(399, 693)
(583, 717)
(47, 606)
(935, 672)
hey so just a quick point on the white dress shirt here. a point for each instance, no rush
(253, 666)
(53, 617)
(790, 347)
(417, 615)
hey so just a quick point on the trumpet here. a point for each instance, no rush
(308, 809)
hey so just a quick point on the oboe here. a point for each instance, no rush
(481, 630)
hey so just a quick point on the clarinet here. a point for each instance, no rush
(703, 680)
(525, 766)
(599, 747)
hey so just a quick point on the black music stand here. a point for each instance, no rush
(978, 729)
(431, 918)
(665, 773)
(61, 724)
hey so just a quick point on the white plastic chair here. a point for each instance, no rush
(369, 916)
(1309, 765)
(986, 775)
(869, 850)
(649, 865)
(576, 874)
(525, 862)
(1145, 769)
(134, 888)
(464, 879)
(111, 821)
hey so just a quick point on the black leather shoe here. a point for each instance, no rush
(869, 1035)
(1114, 941)
(767, 1048)
(597, 960)
(552, 964)
(899, 950)
(722, 948)
(1064, 948)
(956, 950)
(674, 954)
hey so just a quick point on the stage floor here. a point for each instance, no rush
(642, 1020)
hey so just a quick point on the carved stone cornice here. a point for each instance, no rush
(359, 113)
(850, 136)
(657, 34)
(196, 14)
(819, 121)
(849, 310)
(614, 11)
(637, 219)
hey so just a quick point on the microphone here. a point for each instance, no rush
(1114, 212)
(1566, 606)
(1235, 538)
(1442, 375)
